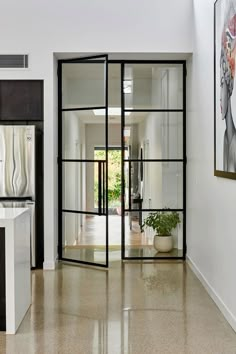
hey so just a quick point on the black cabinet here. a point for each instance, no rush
(21, 100)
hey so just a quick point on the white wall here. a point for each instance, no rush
(97, 25)
(41, 28)
(211, 200)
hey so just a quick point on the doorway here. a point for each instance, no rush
(121, 156)
(114, 178)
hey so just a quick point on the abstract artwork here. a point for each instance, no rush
(224, 90)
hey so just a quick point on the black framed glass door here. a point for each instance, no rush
(83, 177)
(153, 127)
(152, 97)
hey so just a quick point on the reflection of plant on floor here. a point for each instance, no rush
(114, 177)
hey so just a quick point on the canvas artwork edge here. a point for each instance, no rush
(224, 92)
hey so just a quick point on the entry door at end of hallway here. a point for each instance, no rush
(83, 178)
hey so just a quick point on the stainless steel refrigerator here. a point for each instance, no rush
(17, 172)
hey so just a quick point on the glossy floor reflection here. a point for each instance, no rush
(133, 308)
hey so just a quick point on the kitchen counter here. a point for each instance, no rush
(10, 214)
(15, 278)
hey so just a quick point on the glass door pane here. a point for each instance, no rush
(161, 134)
(159, 184)
(83, 84)
(84, 125)
(153, 86)
(83, 238)
(84, 187)
(80, 131)
(139, 241)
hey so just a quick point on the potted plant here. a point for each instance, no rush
(162, 222)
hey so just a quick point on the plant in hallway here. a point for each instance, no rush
(162, 222)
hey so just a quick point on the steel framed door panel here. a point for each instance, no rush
(83, 228)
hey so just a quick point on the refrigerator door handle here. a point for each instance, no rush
(31, 206)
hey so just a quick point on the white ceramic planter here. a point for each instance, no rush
(163, 243)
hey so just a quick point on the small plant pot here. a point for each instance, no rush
(163, 243)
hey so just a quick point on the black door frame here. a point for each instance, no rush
(123, 111)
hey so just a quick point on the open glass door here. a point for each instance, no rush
(83, 176)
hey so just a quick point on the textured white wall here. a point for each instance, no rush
(211, 200)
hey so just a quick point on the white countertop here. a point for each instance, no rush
(11, 213)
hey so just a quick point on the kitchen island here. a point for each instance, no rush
(15, 277)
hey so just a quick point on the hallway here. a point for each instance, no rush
(134, 308)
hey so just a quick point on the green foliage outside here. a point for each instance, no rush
(114, 177)
(162, 222)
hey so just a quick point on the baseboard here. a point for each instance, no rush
(49, 265)
(218, 301)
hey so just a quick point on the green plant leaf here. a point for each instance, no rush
(162, 222)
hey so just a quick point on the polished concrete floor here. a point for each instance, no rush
(93, 232)
(134, 308)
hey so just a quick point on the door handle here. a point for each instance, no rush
(103, 187)
(129, 185)
(99, 187)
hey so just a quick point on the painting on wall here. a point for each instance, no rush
(224, 90)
